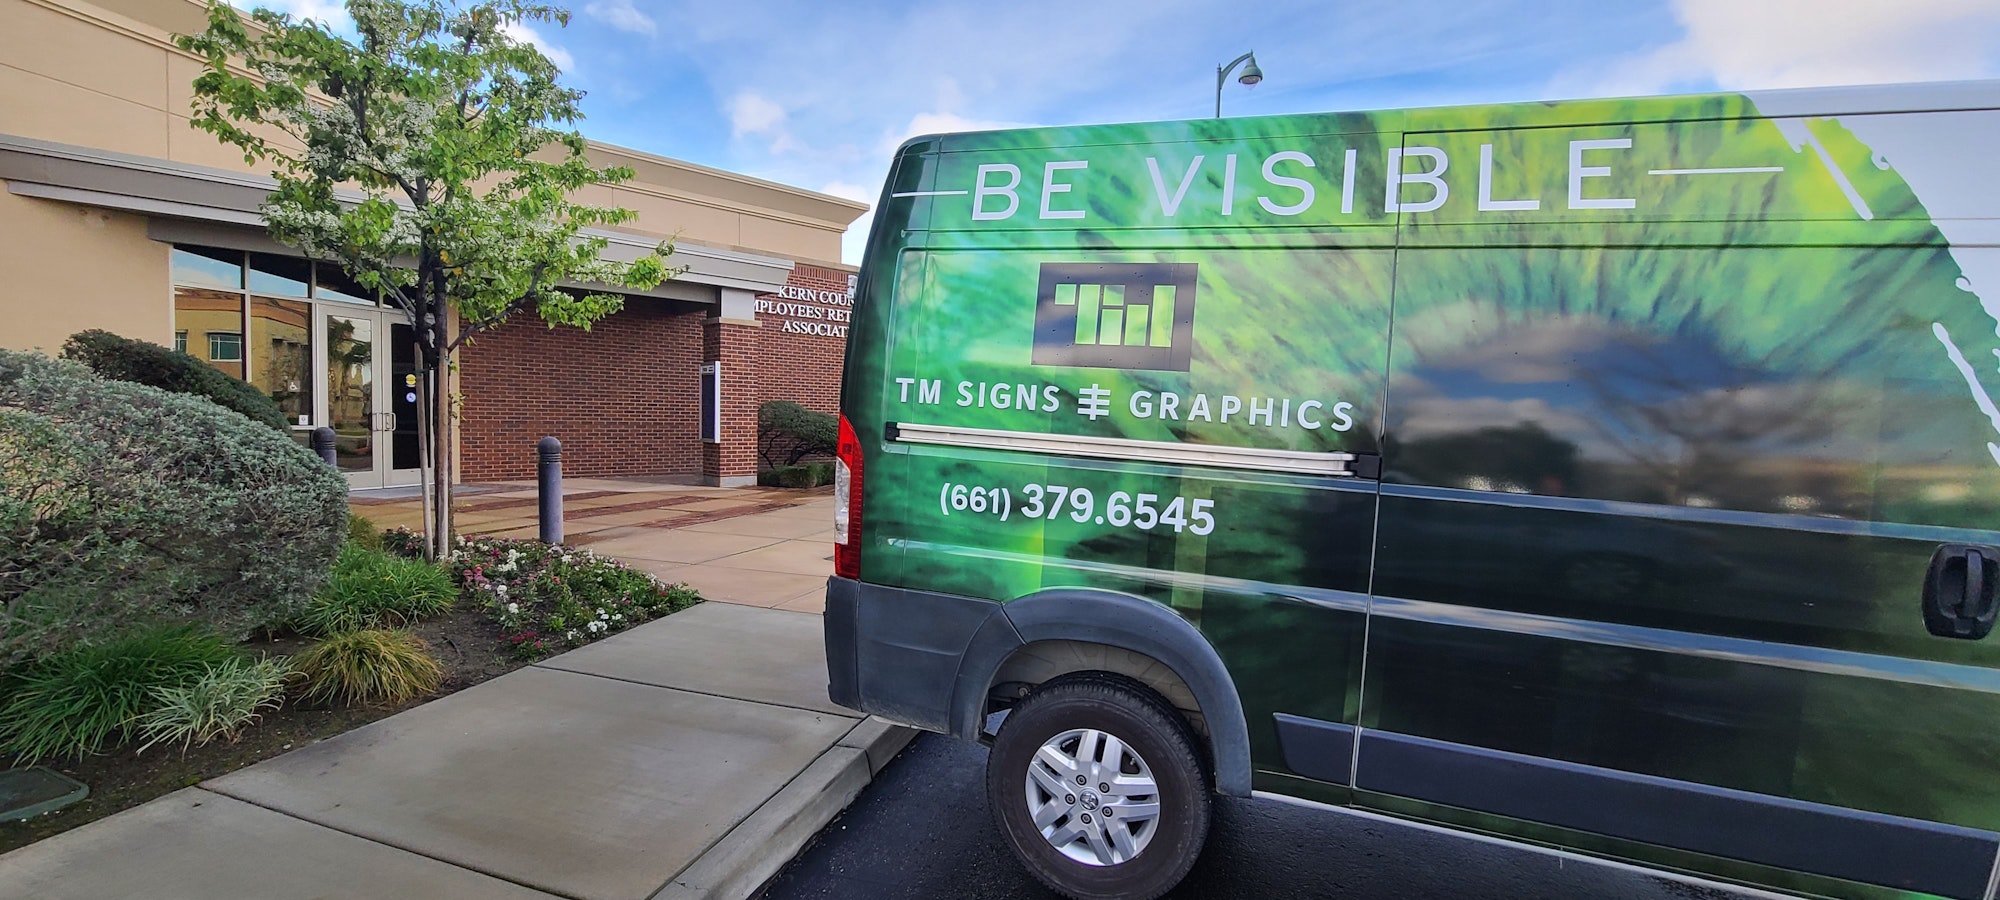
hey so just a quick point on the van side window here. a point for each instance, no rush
(1803, 381)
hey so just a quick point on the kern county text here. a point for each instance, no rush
(1095, 402)
(822, 313)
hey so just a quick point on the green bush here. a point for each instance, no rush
(809, 475)
(368, 666)
(363, 532)
(550, 598)
(121, 503)
(806, 476)
(125, 359)
(788, 432)
(219, 703)
(371, 589)
(72, 702)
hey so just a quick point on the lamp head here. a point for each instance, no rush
(1251, 74)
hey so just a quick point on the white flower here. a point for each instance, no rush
(602, 614)
(596, 626)
(513, 607)
(572, 635)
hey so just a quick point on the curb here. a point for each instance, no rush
(739, 864)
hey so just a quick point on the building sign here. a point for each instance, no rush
(810, 311)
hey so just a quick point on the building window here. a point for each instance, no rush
(225, 346)
(181, 341)
(208, 267)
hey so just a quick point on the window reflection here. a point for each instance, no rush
(209, 325)
(208, 267)
(1578, 385)
(333, 284)
(281, 341)
(350, 390)
(283, 276)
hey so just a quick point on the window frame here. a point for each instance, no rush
(215, 356)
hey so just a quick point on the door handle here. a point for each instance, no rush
(1960, 591)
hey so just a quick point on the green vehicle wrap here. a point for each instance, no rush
(1617, 433)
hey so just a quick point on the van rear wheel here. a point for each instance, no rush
(1099, 789)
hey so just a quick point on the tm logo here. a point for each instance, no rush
(1115, 316)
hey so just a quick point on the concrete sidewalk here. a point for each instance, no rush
(690, 757)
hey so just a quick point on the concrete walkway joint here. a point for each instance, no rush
(690, 757)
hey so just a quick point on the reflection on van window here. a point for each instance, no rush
(1763, 402)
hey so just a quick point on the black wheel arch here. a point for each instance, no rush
(1115, 620)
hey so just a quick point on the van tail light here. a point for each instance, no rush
(847, 503)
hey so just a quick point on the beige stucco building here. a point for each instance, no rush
(118, 214)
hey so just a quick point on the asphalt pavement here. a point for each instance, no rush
(922, 829)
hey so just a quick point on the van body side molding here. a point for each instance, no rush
(1872, 848)
(1302, 462)
(1319, 750)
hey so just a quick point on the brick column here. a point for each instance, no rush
(730, 338)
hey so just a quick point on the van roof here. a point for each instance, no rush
(1812, 102)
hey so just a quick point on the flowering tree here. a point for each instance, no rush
(429, 158)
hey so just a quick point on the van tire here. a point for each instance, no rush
(1157, 741)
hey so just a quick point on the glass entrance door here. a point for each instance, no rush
(367, 397)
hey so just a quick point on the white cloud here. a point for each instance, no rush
(754, 114)
(622, 15)
(751, 113)
(1737, 45)
(521, 32)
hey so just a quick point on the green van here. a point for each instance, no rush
(1621, 477)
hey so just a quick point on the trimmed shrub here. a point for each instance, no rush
(368, 666)
(551, 598)
(73, 702)
(788, 432)
(371, 589)
(807, 476)
(220, 703)
(121, 503)
(363, 532)
(125, 359)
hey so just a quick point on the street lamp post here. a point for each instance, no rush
(1251, 75)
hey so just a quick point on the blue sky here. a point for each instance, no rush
(817, 94)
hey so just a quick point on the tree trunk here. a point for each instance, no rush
(443, 428)
(441, 447)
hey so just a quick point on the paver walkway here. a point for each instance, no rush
(763, 547)
(690, 757)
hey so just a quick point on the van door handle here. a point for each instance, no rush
(1959, 591)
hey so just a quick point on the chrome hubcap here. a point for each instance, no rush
(1092, 797)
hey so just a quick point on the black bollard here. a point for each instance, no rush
(548, 483)
(322, 444)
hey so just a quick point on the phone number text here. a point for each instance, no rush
(1145, 512)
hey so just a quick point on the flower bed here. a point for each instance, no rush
(548, 599)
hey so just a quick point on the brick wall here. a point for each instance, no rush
(623, 396)
(804, 368)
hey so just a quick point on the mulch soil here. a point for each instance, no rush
(464, 641)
